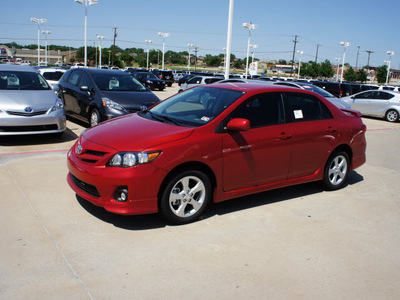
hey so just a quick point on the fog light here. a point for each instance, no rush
(121, 195)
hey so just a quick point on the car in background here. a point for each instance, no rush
(199, 80)
(184, 79)
(165, 75)
(52, 75)
(28, 105)
(310, 87)
(376, 103)
(335, 88)
(184, 154)
(149, 80)
(96, 95)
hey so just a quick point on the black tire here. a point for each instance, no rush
(94, 117)
(185, 196)
(169, 84)
(161, 89)
(336, 171)
(392, 115)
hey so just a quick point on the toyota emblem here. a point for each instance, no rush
(28, 109)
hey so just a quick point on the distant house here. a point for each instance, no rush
(283, 69)
(32, 55)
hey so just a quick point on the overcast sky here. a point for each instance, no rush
(372, 25)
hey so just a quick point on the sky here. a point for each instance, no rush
(371, 25)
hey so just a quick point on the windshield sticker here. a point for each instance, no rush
(298, 114)
(13, 80)
(205, 119)
(113, 84)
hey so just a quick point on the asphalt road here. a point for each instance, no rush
(294, 243)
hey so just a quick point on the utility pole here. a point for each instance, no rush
(316, 55)
(358, 53)
(369, 53)
(294, 51)
(113, 50)
(196, 49)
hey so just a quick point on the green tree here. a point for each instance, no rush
(350, 75)
(362, 76)
(326, 69)
(381, 73)
(211, 60)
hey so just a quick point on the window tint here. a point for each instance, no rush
(303, 107)
(366, 95)
(86, 81)
(196, 80)
(73, 78)
(261, 110)
(383, 96)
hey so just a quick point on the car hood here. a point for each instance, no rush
(19, 100)
(134, 133)
(132, 100)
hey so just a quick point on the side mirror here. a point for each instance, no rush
(238, 124)
(56, 88)
(84, 88)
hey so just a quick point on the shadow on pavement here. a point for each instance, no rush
(153, 221)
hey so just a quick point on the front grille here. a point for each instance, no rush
(95, 153)
(91, 156)
(25, 114)
(86, 187)
(28, 128)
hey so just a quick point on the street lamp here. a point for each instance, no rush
(250, 26)
(190, 48)
(164, 35)
(301, 53)
(229, 40)
(253, 46)
(338, 59)
(38, 21)
(86, 2)
(148, 42)
(100, 37)
(390, 53)
(345, 45)
(46, 33)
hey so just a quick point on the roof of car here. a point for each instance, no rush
(256, 87)
(21, 68)
(102, 71)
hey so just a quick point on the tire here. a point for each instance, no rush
(336, 171)
(161, 89)
(392, 115)
(94, 117)
(185, 196)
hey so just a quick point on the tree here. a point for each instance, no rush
(326, 69)
(350, 75)
(362, 76)
(211, 60)
(381, 74)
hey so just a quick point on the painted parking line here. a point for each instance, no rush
(381, 129)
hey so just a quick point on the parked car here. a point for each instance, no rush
(149, 80)
(184, 79)
(183, 154)
(377, 103)
(335, 88)
(310, 87)
(96, 95)
(165, 75)
(27, 103)
(52, 75)
(199, 80)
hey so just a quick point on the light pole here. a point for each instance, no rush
(109, 57)
(190, 48)
(345, 45)
(164, 35)
(301, 53)
(148, 42)
(100, 37)
(252, 46)
(338, 59)
(250, 26)
(86, 2)
(46, 33)
(38, 21)
(229, 40)
(390, 53)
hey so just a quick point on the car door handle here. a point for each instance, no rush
(331, 129)
(284, 136)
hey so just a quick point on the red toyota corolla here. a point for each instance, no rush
(214, 143)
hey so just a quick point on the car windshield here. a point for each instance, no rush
(194, 107)
(117, 82)
(11, 80)
(318, 90)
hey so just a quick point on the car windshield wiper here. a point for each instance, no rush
(162, 118)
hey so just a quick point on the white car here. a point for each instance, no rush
(199, 80)
(52, 75)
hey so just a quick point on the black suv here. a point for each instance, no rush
(335, 88)
(149, 80)
(167, 76)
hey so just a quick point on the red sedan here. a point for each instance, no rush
(214, 143)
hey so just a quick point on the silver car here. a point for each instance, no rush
(376, 103)
(27, 103)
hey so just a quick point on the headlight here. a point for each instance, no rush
(59, 105)
(111, 104)
(130, 159)
(148, 81)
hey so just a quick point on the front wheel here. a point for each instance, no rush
(336, 171)
(185, 196)
(392, 115)
(94, 117)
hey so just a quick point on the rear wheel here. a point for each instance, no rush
(336, 171)
(185, 196)
(94, 117)
(392, 115)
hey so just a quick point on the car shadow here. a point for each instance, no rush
(37, 139)
(154, 221)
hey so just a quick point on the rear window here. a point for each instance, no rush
(55, 76)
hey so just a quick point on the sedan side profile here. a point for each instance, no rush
(376, 103)
(213, 143)
(96, 95)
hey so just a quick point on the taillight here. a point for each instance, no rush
(160, 76)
